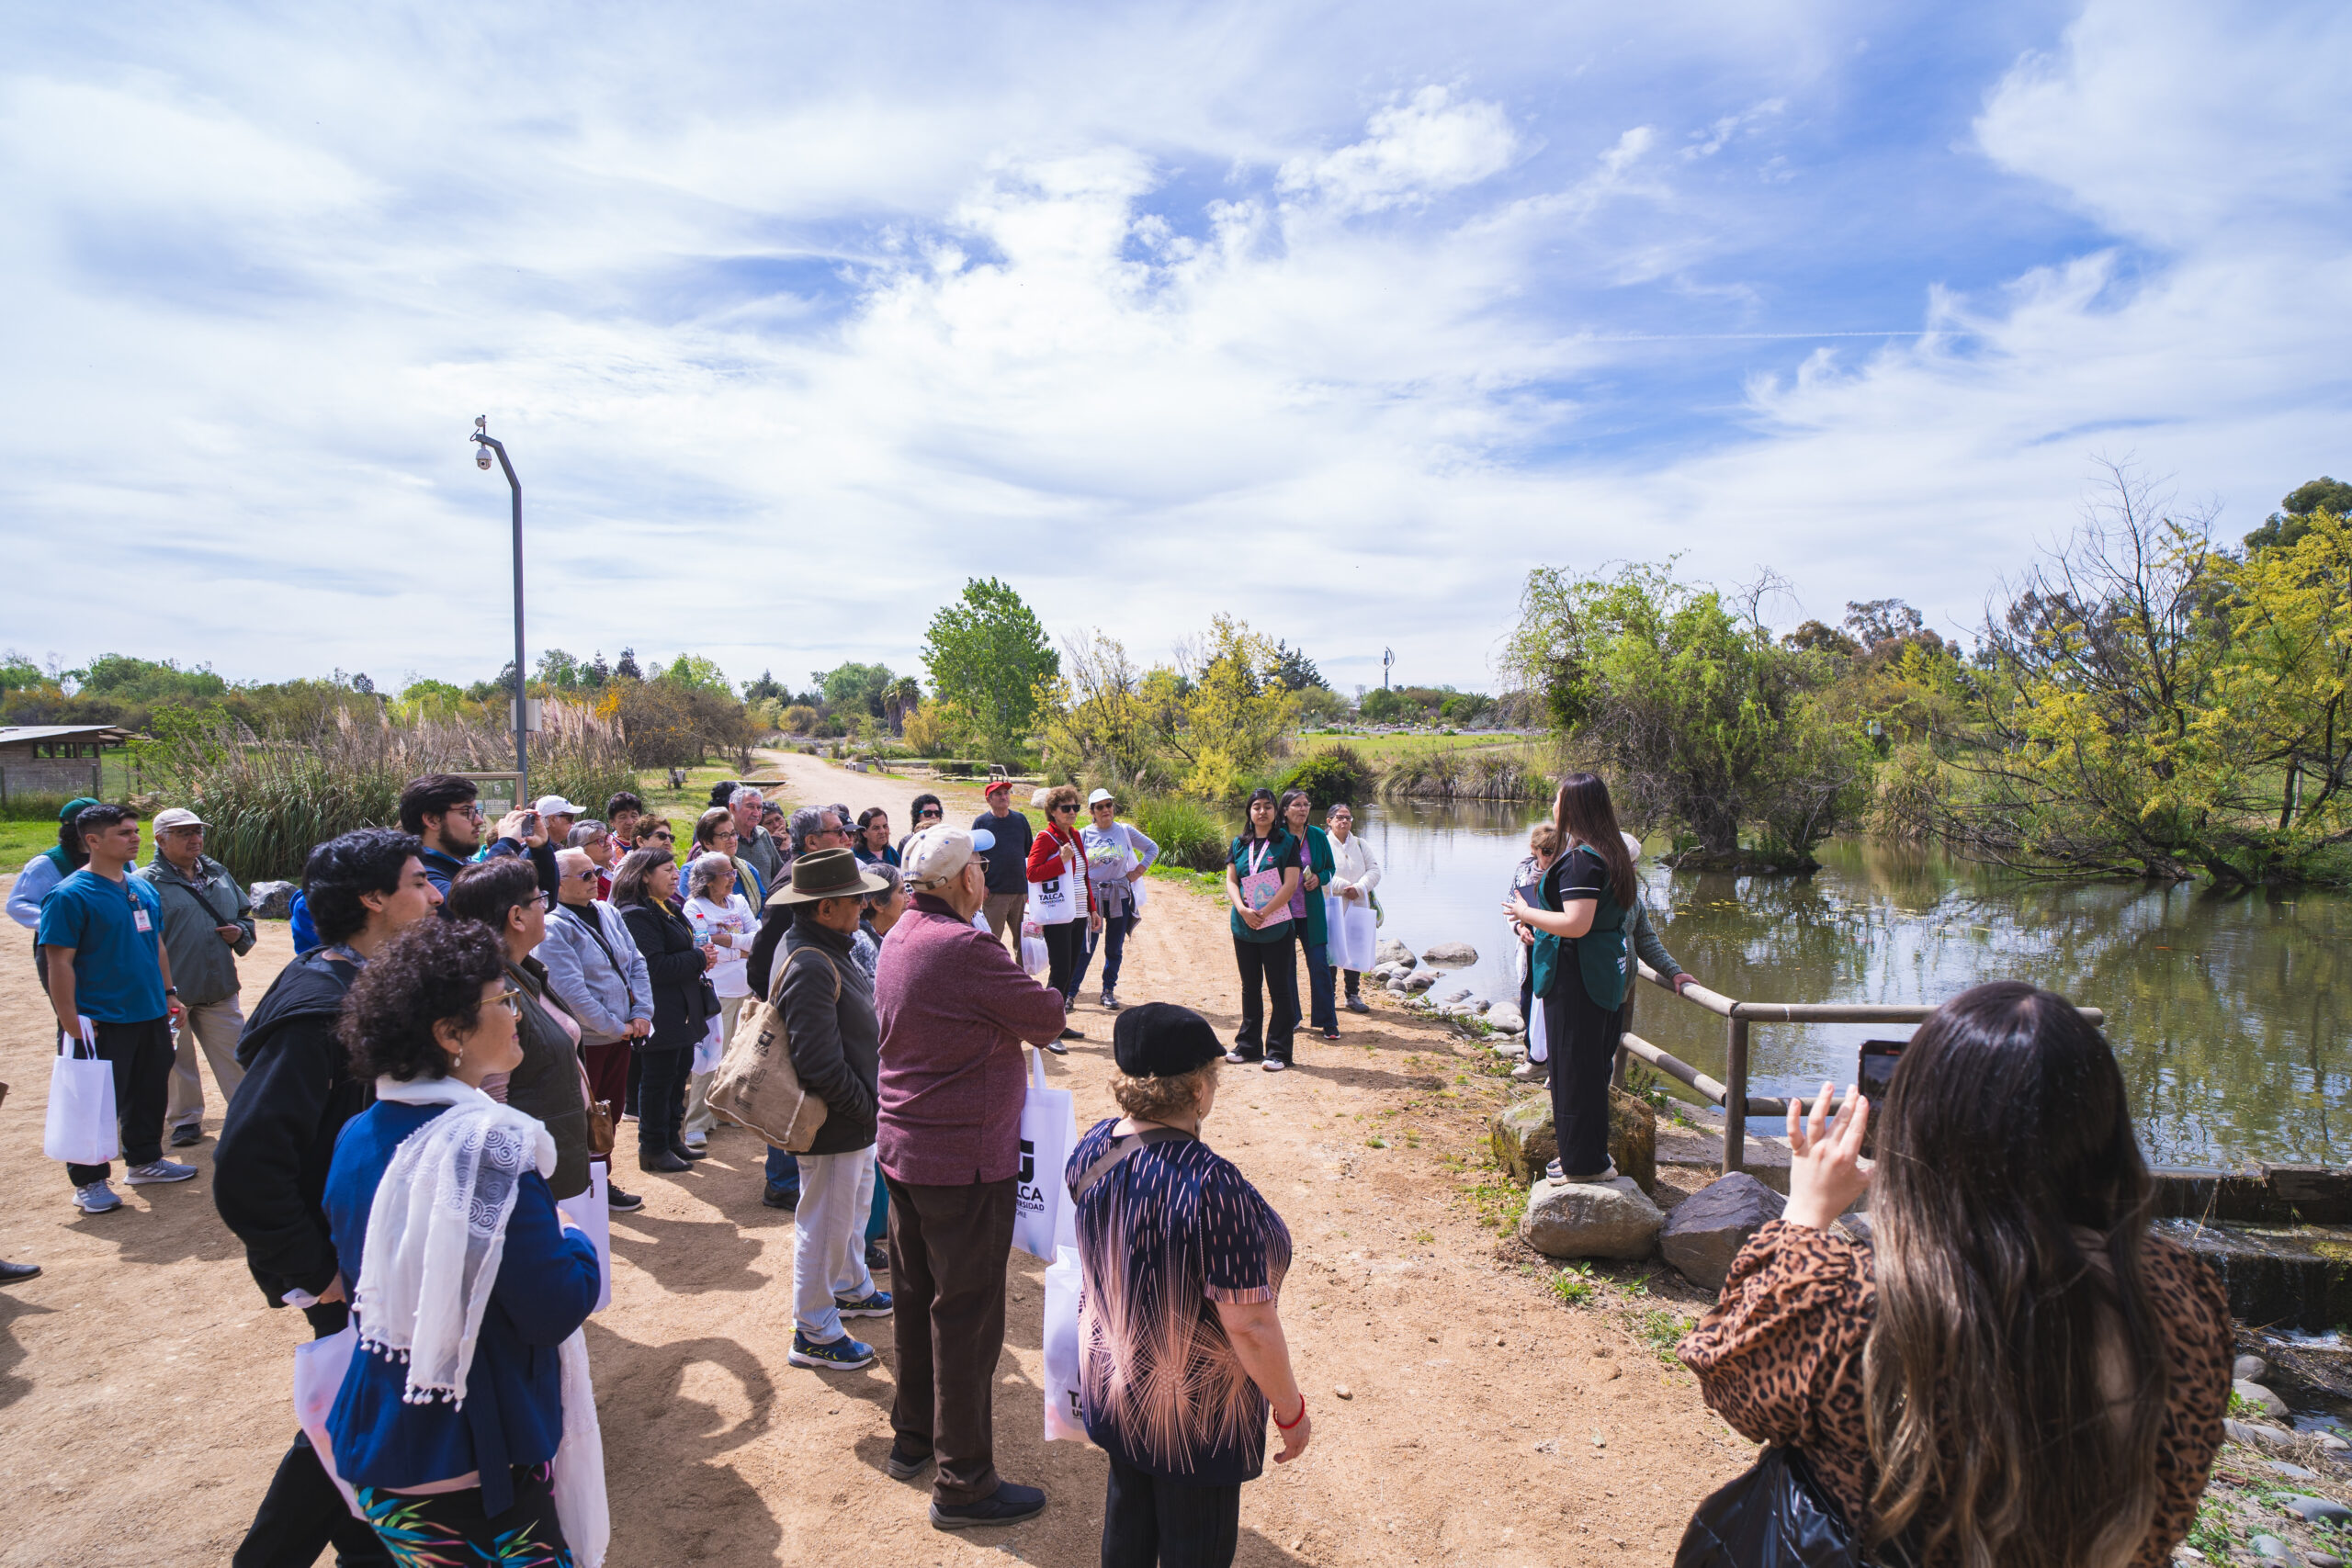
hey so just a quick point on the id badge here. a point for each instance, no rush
(138, 919)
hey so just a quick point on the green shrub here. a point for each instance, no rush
(1330, 778)
(20, 807)
(1465, 773)
(1189, 834)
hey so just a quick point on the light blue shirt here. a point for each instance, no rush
(32, 885)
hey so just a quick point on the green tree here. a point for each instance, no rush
(988, 654)
(851, 689)
(1689, 706)
(2290, 522)
(148, 680)
(1297, 672)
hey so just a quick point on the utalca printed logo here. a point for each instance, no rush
(1027, 1195)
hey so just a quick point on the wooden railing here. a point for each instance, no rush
(1739, 1016)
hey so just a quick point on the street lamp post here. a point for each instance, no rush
(484, 445)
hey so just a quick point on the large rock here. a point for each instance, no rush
(1419, 980)
(272, 901)
(2260, 1398)
(1524, 1142)
(1450, 955)
(1590, 1219)
(1707, 1229)
(1505, 1017)
(1394, 952)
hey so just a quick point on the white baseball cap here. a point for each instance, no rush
(556, 805)
(1098, 796)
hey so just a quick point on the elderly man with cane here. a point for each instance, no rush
(953, 1008)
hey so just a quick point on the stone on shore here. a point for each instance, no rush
(1524, 1142)
(1450, 955)
(1394, 952)
(2261, 1398)
(1457, 994)
(1505, 1017)
(1590, 1219)
(2318, 1510)
(2249, 1369)
(1420, 980)
(1707, 1229)
(272, 901)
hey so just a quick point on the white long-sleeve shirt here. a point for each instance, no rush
(1352, 866)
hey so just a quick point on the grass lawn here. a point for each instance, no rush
(1405, 743)
(20, 840)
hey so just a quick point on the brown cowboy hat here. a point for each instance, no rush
(827, 873)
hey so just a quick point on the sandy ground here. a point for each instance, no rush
(145, 1384)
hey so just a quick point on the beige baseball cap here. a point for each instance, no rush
(177, 817)
(936, 856)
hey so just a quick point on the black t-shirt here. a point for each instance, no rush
(1009, 861)
(1578, 874)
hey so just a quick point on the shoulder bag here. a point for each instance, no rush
(1777, 1515)
(755, 1086)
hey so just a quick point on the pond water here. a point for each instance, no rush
(2228, 1013)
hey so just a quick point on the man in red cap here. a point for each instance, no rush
(1008, 900)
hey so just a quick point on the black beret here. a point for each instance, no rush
(1161, 1040)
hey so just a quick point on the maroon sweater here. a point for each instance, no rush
(955, 1009)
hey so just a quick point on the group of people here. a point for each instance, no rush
(2012, 1368)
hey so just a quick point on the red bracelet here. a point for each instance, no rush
(1292, 1425)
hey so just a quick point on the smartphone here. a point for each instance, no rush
(1872, 1074)
(530, 823)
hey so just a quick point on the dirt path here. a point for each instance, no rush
(145, 1385)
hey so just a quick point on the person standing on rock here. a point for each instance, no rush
(954, 1009)
(1307, 910)
(1261, 875)
(1347, 916)
(1183, 1356)
(1543, 845)
(1581, 963)
(207, 925)
(2016, 1368)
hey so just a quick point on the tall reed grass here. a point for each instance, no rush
(1189, 834)
(1464, 773)
(270, 798)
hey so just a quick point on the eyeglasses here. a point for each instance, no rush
(666, 835)
(588, 876)
(469, 811)
(511, 999)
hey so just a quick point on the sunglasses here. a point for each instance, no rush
(1067, 806)
(927, 811)
(588, 876)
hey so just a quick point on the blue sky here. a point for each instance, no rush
(1339, 319)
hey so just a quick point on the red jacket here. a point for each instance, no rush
(953, 1008)
(1046, 861)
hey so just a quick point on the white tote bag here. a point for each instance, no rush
(593, 1210)
(1033, 957)
(1064, 1419)
(319, 1368)
(1538, 1048)
(1052, 903)
(81, 1128)
(1041, 1198)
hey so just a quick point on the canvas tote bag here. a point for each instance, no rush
(1041, 1204)
(756, 1087)
(81, 1127)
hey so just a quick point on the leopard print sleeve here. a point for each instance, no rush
(1778, 1356)
(2192, 1311)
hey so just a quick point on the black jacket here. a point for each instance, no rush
(548, 1085)
(836, 1039)
(675, 969)
(441, 869)
(270, 1169)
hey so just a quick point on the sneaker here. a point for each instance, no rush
(1606, 1173)
(1110, 1001)
(877, 1258)
(621, 1202)
(1056, 1047)
(781, 1197)
(156, 1171)
(1533, 1072)
(188, 1137)
(1007, 1505)
(843, 1355)
(1073, 1034)
(904, 1466)
(97, 1198)
(1236, 1056)
(1330, 1034)
(1276, 1064)
(1357, 1004)
(875, 1304)
(17, 1274)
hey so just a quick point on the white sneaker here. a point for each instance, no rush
(97, 1198)
(156, 1171)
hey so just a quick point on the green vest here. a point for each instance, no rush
(1603, 955)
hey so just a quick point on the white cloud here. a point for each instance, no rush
(1414, 150)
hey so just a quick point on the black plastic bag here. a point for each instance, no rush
(1775, 1516)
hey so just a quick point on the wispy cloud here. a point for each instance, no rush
(1154, 312)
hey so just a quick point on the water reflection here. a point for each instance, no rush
(2227, 1012)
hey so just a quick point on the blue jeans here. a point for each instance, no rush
(1114, 947)
(784, 1169)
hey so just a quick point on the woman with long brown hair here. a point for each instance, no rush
(1581, 968)
(2013, 1370)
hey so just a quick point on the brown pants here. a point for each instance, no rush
(949, 1247)
(1005, 911)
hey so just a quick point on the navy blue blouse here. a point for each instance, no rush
(1167, 1233)
(512, 1413)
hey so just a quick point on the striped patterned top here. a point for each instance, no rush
(1169, 1232)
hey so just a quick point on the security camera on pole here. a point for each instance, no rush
(484, 445)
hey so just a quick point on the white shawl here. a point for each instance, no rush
(435, 1234)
